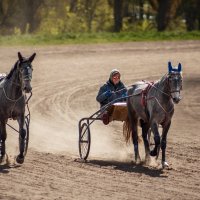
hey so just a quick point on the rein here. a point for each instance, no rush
(13, 100)
(152, 85)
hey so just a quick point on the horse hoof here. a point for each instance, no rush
(153, 153)
(165, 165)
(138, 162)
(147, 159)
(20, 160)
(2, 158)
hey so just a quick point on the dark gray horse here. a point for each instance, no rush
(13, 100)
(152, 104)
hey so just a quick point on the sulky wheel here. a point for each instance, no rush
(84, 141)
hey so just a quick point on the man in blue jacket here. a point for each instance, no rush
(112, 89)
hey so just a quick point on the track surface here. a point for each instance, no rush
(65, 82)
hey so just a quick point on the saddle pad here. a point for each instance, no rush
(2, 76)
(140, 86)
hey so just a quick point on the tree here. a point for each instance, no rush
(90, 8)
(118, 15)
(166, 11)
(30, 8)
(192, 16)
(7, 11)
(198, 8)
(17, 14)
(163, 16)
(73, 6)
(141, 9)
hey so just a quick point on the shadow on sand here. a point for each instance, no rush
(126, 167)
(5, 168)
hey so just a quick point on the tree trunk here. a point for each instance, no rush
(73, 6)
(163, 16)
(191, 13)
(198, 8)
(190, 17)
(117, 15)
(7, 9)
(154, 4)
(141, 6)
(90, 8)
(30, 9)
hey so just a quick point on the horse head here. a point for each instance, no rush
(175, 82)
(25, 71)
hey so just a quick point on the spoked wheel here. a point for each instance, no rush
(84, 141)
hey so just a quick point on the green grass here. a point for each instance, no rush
(85, 38)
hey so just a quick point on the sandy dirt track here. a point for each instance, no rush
(65, 82)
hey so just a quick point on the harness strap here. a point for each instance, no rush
(144, 98)
(145, 92)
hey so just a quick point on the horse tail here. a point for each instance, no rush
(127, 130)
(131, 120)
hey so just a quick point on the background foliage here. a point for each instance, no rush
(70, 18)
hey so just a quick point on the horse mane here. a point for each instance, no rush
(163, 78)
(12, 71)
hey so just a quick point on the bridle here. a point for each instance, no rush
(27, 67)
(26, 77)
(152, 85)
(176, 76)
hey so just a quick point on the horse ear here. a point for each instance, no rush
(179, 67)
(32, 57)
(20, 56)
(169, 67)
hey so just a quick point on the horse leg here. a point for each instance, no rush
(145, 129)
(135, 141)
(3, 136)
(22, 135)
(134, 128)
(164, 143)
(154, 128)
(133, 120)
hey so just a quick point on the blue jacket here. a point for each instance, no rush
(108, 92)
